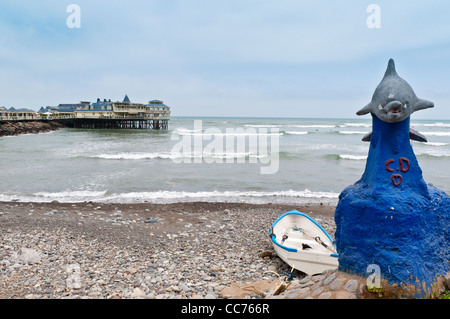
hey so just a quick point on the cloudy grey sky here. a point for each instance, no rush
(284, 58)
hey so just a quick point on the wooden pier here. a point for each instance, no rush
(100, 124)
(117, 124)
(100, 115)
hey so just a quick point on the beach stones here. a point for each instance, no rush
(183, 255)
(137, 260)
(26, 256)
(150, 220)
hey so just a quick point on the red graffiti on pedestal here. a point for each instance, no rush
(405, 165)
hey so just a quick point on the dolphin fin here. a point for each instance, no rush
(367, 137)
(366, 109)
(422, 104)
(416, 136)
(413, 135)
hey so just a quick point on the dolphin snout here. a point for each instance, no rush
(393, 106)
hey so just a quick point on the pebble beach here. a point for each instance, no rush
(148, 251)
(89, 250)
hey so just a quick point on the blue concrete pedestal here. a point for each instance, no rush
(391, 217)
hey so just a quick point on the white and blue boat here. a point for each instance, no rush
(303, 244)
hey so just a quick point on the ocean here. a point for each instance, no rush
(251, 160)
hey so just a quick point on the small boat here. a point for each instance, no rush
(303, 244)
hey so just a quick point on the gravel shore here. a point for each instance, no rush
(173, 251)
(90, 250)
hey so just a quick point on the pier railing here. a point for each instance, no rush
(61, 117)
(145, 121)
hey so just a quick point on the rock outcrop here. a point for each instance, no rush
(33, 127)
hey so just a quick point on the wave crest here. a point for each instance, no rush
(174, 196)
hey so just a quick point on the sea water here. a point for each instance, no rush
(311, 161)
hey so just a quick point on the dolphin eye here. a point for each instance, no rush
(406, 104)
(380, 107)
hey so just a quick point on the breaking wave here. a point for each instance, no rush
(437, 133)
(436, 144)
(176, 155)
(351, 132)
(243, 133)
(174, 196)
(262, 125)
(438, 124)
(355, 125)
(353, 157)
(296, 132)
(313, 126)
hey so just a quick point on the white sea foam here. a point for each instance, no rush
(63, 197)
(136, 156)
(437, 133)
(355, 125)
(174, 155)
(243, 133)
(184, 130)
(70, 194)
(225, 196)
(296, 132)
(171, 196)
(229, 155)
(262, 125)
(438, 124)
(434, 153)
(352, 132)
(353, 157)
(313, 126)
(436, 144)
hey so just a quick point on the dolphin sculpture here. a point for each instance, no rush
(394, 100)
(391, 217)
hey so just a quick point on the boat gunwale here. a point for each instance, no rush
(289, 249)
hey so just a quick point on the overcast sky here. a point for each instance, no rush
(283, 58)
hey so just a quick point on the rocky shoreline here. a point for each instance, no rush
(148, 251)
(27, 127)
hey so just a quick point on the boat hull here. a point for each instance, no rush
(303, 244)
